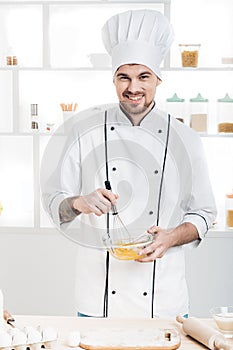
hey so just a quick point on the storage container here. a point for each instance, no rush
(189, 54)
(229, 210)
(199, 113)
(175, 106)
(225, 114)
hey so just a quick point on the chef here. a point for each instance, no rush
(144, 161)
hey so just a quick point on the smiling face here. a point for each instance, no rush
(135, 86)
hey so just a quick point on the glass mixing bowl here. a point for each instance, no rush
(223, 316)
(129, 248)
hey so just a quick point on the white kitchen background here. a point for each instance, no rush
(53, 41)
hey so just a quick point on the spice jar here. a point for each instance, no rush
(229, 210)
(189, 54)
(175, 107)
(9, 61)
(199, 113)
(225, 114)
(34, 117)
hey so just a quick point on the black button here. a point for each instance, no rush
(114, 169)
(112, 128)
(156, 171)
(145, 294)
(113, 292)
(151, 212)
(159, 131)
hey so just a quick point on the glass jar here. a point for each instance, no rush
(199, 113)
(34, 117)
(229, 210)
(189, 54)
(225, 114)
(175, 107)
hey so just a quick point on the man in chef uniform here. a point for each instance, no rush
(158, 176)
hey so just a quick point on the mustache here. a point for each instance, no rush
(129, 93)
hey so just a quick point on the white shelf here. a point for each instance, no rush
(38, 134)
(86, 68)
(198, 69)
(31, 134)
(83, 2)
(220, 233)
(230, 134)
(212, 233)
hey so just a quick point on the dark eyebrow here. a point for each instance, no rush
(146, 72)
(122, 75)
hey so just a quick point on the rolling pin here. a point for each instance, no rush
(203, 333)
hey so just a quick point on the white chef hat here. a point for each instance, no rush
(138, 36)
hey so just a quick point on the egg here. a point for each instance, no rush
(49, 334)
(73, 339)
(13, 331)
(19, 338)
(5, 339)
(28, 329)
(33, 336)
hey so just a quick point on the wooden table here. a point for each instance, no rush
(64, 325)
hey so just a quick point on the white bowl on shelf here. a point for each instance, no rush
(100, 60)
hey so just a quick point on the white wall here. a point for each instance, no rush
(37, 274)
(209, 275)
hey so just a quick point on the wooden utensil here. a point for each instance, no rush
(203, 333)
(126, 339)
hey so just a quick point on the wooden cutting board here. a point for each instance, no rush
(139, 339)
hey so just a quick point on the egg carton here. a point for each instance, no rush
(28, 339)
(35, 346)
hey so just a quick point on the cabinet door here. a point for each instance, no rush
(208, 23)
(16, 181)
(6, 101)
(21, 33)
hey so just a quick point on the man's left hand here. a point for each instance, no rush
(165, 239)
(161, 243)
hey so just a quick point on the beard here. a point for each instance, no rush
(135, 109)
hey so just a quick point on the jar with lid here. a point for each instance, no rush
(176, 107)
(34, 117)
(199, 113)
(189, 54)
(229, 209)
(225, 114)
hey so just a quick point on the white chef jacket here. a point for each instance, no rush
(135, 164)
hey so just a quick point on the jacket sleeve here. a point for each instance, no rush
(60, 173)
(201, 209)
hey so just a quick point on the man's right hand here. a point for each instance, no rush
(98, 202)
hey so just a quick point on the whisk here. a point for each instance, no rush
(118, 233)
(119, 241)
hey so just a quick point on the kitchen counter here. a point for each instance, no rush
(64, 325)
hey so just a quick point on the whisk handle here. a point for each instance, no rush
(108, 185)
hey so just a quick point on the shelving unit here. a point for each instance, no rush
(20, 111)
